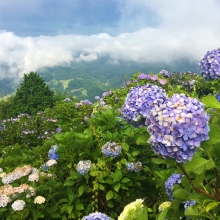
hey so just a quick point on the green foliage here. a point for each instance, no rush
(33, 95)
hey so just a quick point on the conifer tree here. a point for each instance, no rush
(33, 95)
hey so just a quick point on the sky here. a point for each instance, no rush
(46, 33)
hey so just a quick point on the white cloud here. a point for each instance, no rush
(187, 30)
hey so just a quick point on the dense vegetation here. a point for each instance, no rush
(141, 141)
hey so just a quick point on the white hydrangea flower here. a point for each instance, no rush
(18, 205)
(50, 163)
(33, 177)
(132, 210)
(1, 170)
(2, 174)
(39, 200)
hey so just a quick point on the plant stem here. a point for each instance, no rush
(198, 190)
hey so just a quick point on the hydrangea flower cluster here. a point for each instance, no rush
(107, 93)
(136, 166)
(111, 149)
(132, 210)
(68, 99)
(16, 174)
(39, 200)
(18, 205)
(178, 127)
(189, 203)
(84, 166)
(140, 101)
(164, 205)
(217, 97)
(171, 181)
(52, 153)
(210, 65)
(165, 73)
(83, 102)
(96, 216)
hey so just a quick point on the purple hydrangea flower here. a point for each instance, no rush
(96, 216)
(52, 153)
(111, 149)
(135, 166)
(178, 127)
(210, 65)
(58, 130)
(68, 99)
(142, 76)
(165, 73)
(83, 102)
(140, 101)
(84, 166)
(171, 181)
(97, 97)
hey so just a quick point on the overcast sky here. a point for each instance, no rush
(46, 33)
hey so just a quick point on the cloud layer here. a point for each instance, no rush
(174, 30)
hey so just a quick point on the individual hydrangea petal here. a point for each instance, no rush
(84, 166)
(210, 65)
(96, 216)
(140, 101)
(178, 127)
(171, 181)
(111, 149)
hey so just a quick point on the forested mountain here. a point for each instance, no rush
(85, 80)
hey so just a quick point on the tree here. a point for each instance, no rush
(33, 95)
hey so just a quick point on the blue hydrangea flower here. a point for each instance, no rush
(140, 101)
(44, 167)
(135, 166)
(210, 65)
(68, 99)
(52, 153)
(111, 149)
(165, 73)
(97, 98)
(178, 127)
(96, 216)
(217, 97)
(84, 166)
(171, 181)
(189, 203)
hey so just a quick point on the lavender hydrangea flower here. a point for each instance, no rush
(96, 216)
(165, 73)
(171, 181)
(178, 127)
(68, 99)
(52, 153)
(140, 101)
(210, 65)
(97, 98)
(142, 76)
(83, 102)
(84, 166)
(111, 149)
(135, 166)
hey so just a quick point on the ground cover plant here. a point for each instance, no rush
(148, 150)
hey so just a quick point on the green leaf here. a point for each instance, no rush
(198, 165)
(211, 101)
(117, 175)
(135, 153)
(181, 194)
(81, 190)
(125, 180)
(69, 208)
(69, 183)
(143, 215)
(116, 187)
(162, 215)
(214, 137)
(158, 161)
(101, 187)
(211, 206)
(123, 161)
(79, 206)
(109, 195)
(142, 140)
(196, 212)
(125, 146)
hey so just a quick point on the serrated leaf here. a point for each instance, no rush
(211, 101)
(116, 187)
(123, 161)
(79, 206)
(81, 190)
(109, 195)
